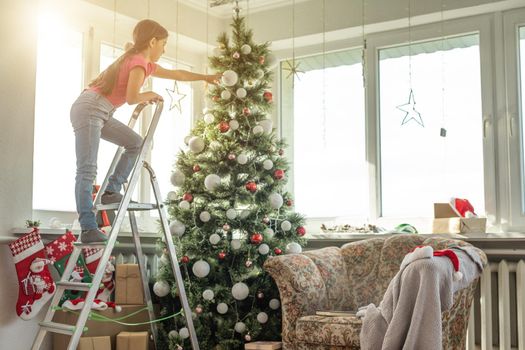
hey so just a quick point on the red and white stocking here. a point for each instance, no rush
(35, 285)
(92, 257)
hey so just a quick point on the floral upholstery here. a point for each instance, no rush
(346, 278)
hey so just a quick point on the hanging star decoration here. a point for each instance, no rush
(410, 110)
(293, 68)
(175, 97)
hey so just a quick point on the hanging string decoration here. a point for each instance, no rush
(293, 66)
(175, 95)
(442, 130)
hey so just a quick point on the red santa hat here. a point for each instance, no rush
(425, 252)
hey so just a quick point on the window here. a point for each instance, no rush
(418, 166)
(58, 83)
(327, 135)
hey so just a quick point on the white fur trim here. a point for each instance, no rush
(458, 276)
(418, 253)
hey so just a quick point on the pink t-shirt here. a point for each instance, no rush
(118, 95)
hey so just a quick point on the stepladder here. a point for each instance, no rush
(126, 209)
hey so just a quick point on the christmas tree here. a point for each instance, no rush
(231, 210)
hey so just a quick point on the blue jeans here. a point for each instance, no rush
(92, 119)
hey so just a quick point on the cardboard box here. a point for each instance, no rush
(94, 343)
(446, 220)
(132, 341)
(263, 345)
(96, 329)
(128, 285)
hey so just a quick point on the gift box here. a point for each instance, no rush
(94, 343)
(97, 328)
(446, 220)
(132, 341)
(128, 285)
(263, 345)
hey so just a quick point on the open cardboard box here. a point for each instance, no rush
(446, 220)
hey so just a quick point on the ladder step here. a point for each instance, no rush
(59, 327)
(131, 207)
(80, 286)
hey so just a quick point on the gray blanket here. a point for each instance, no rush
(409, 316)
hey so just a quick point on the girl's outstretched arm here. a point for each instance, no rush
(183, 75)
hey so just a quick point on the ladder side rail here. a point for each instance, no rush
(143, 274)
(131, 124)
(174, 260)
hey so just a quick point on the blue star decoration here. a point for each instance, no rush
(175, 97)
(410, 110)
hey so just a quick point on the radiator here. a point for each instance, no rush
(497, 317)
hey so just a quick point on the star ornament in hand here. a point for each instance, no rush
(293, 68)
(175, 97)
(410, 110)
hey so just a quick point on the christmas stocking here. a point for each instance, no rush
(59, 251)
(107, 287)
(35, 285)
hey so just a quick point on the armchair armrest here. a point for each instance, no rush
(301, 288)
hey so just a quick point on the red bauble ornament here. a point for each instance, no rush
(246, 111)
(281, 152)
(223, 127)
(261, 59)
(236, 55)
(231, 156)
(278, 174)
(260, 295)
(277, 251)
(289, 202)
(268, 96)
(301, 231)
(251, 186)
(198, 309)
(248, 263)
(256, 238)
(226, 227)
(221, 255)
(196, 168)
(187, 197)
(215, 98)
(185, 259)
(266, 220)
(248, 337)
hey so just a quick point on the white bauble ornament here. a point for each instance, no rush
(267, 125)
(276, 200)
(229, 78)
(269, 233)
(164, 260)
(286, 225)
(236, 244)
(258, 130)
(240, 327)
(271, 60)
(242, 159)
(201, 269)
(177, 228)
(208, 294)
(209, 118)
(240, 291)
(231, 213)
(196, 144)
(274, 304)
(215, 239)
(172, 195)
(245, 213)
(205, 216)
(246, 49)
(241, 92)
(268, 164)
(222, 308)
(234, 124)
(225, 95)
(187, 140)
(161, 288)
(262, 317)
(264, 249)
(184, 205)
(212, 181)
(259, 74)
(177, 178)
(173, 334)
(293, 248)
(184, 333)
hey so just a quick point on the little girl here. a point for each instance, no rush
(91, 117)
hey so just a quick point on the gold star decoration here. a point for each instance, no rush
(410, 110)
(175, 97)
(293, 68)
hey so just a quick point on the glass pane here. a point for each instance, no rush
(329, 165)
(54, 150)
(418, 166)
(522, 98)
(172, 128)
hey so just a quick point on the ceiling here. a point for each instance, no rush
(225, 7)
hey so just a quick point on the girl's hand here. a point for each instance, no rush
(213, 78)
(155, 98)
